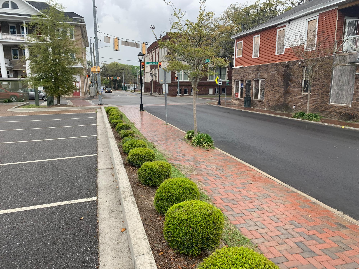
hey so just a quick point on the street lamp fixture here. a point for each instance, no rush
(140, 59)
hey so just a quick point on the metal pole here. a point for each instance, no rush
(178, 91)
(123, 79)
(97, 54)
(165, 93)
(219, 86)
(141, 105)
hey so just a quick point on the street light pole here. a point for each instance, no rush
(219, 86)
(140, 59)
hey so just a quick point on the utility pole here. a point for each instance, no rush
(97, 54)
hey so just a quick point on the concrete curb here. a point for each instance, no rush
(140, 248)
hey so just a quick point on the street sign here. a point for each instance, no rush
(216, 80)
(219, 82)
(165, 77)
(152, 63)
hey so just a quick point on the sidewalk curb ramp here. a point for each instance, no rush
(140, 248)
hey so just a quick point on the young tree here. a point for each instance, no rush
(53, 53)
(192, 47)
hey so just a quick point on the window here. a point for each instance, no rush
(14, 5)
(256, 46)
(23, 30)
(305, 82)
(15, 54)
(239, 89)
(72, 33)
(182, 76)
(280, 41)
(72, 55)
(5, 4)
(239, 49)
(12, 29)
(311, 34)
(220, 73)
(258, 89)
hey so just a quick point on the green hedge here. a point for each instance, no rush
(126, 133)
(139, 156)
(202, 140)
(115, 122)
(236, 257)
(193, 226)
(173, 191)
(154, 173)
(132, 144)
(122, 126)
(307, 116)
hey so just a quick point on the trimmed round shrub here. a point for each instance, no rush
(115, 122)
(173, 191)
(236, 257)
(139, 156)
(193, 226)
(112, 118)
(109, 109)
(126, 139)
(132, 144)
(154, 173)
(122, 126)
(126, 133)
(202, 140)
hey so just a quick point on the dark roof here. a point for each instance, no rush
(42, 5)
(298, 11)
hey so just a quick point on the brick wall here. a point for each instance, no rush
(283, 89)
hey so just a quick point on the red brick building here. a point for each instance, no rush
(266, 56)
(182, 85)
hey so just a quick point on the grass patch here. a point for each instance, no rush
(231, 236)
(31, 106)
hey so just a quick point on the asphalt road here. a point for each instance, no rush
(321, 161)
(48, 209)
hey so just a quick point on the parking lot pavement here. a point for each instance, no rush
(48, 210)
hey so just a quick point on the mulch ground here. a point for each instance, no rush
(165, 257)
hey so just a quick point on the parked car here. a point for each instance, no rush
(13, 96)
(108, 90)
(42, 95)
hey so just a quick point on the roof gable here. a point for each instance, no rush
(18, 8)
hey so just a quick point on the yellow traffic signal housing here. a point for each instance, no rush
(143, 48)
(116, 44)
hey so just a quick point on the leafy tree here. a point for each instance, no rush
(114, 69)
(192, 47)
(53, 53)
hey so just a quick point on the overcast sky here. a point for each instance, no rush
(131, 19)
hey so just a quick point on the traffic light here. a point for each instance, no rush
(116, 44)
(159, 65)
(176, 78)
(143, 65)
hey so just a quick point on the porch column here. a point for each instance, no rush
(2, 62)
(27, 64)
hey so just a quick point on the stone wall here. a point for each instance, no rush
(283, 89)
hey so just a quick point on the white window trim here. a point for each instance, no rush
(15, 28)
(18, 53)
(72, 29)
(259, 88)
(306, 32)
(276, 43)
(237, 49)
(259, 44)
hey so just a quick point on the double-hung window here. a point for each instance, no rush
(258, 89)
(12, 29)
(15, 54)
(256, 40)
(239, 49)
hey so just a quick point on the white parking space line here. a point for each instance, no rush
(91, 117)
(35, 120)
(48, 139)
(51, 127)
(12, 121)
(48, 160)
(67, 126)
(14, 210)
(75, 118)
(3, 130)
(18, 129)
(36, 128)
(56, 119)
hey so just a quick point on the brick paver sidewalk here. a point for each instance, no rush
(290, 229)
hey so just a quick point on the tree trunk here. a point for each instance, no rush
(194, 86)
(58, 99)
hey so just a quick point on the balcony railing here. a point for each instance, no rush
(15, 37)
